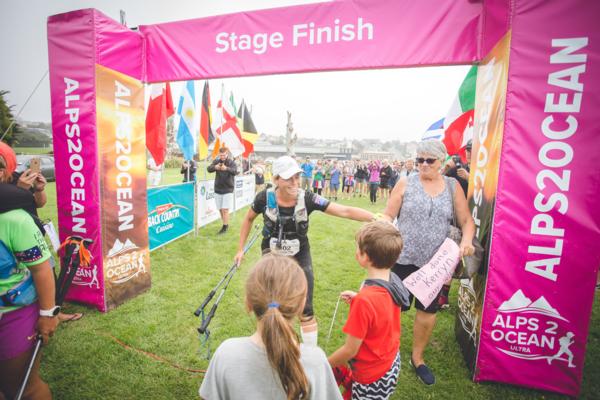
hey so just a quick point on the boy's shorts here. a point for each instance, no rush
(382, 388)
(404, 270)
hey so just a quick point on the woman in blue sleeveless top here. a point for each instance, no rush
(423, 206)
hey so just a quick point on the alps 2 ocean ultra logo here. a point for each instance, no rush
(125, 261)
(532, 330)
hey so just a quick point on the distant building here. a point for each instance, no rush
(377, 155)
(266, 150)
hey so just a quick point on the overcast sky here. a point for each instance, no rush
(386, 104)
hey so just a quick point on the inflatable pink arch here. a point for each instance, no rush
(534, 181)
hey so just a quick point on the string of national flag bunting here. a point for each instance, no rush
(233, 126)
(235, 129)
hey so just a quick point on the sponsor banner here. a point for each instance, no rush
(72, 88)
(121, 144)
(170, 213)
(207, 209)
(490, 101)
(244, 191)
(315, 37)
(544, 257)
(427, 281)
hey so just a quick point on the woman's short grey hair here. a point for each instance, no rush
(433, 147)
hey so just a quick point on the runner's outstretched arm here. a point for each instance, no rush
(355, 213)
(244, 231)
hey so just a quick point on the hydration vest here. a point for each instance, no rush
(273, 222)
(16, 286)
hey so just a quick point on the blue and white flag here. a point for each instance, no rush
(187, 132)
(435, 131)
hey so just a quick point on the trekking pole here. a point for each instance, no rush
(79, 257)
(36, 350)
(66, 248)
(212, 292)
(71, 247)
(227, 278)
(332, 322)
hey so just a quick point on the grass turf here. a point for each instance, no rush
(102, 355)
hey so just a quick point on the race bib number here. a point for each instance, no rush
(287, 248)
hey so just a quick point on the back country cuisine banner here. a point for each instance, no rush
(170, 213)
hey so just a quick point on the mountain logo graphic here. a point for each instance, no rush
(519, 303)
(120, 248)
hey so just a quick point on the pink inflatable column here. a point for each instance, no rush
(79, 42)
(545, 255)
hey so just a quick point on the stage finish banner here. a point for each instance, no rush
(170, 213)
(315, 37)
(544, 254)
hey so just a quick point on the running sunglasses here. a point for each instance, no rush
(421, 160)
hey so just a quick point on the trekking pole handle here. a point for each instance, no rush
(204, 303)
(208, 318)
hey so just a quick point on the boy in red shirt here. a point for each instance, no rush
(373, 326)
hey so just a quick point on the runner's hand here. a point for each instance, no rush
(46, 326)
(239, 257)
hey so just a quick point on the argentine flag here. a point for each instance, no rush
(186, 133)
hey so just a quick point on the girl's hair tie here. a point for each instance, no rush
(273, 304)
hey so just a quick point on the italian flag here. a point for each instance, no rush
(458, 124)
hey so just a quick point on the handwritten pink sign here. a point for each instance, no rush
(426, 283)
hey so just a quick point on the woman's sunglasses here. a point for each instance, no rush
(421, 160)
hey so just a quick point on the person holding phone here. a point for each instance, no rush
(26, 191)
(32, 179)
(225, 171)
(26, 265)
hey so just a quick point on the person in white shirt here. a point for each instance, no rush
(272, 363)
(154, 172)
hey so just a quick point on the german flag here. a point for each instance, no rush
(249, 132)
(206, 133)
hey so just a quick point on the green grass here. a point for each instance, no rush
(33, 150)
(173, 175)
(83, 360)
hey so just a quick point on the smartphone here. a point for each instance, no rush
(34, 165)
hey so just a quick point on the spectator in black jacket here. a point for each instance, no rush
(188, 170)
(225, 170)
(460, 171)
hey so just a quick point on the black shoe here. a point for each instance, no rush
(424, 373)
(223, 229)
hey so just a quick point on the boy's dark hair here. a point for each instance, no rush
(381, 242)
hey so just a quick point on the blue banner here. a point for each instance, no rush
(170, 213)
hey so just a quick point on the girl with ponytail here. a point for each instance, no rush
(271, 364)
